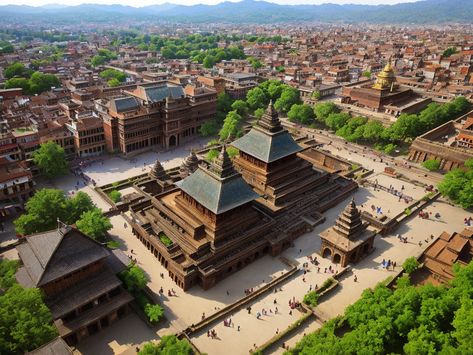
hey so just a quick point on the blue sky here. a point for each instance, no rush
(192, 2)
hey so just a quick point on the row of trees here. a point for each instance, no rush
(48, 205)
(103, 56)
(25, 321)
(411, 320)
(32, 82)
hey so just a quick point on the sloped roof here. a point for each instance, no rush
(50, 255)
(268, 141)
(123, 104)
(219, 188)
(159, 93)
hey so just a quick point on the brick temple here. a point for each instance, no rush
(349, 240)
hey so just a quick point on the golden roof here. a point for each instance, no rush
(386, 78)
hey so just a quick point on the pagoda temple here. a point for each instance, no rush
(207, 227)
(268, 161)
(189, 165)
(349, 239)
(385, 95)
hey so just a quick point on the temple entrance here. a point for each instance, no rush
(172, 141)
(337, 258)
(327, 252)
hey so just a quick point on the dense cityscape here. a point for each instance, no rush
(236, 178)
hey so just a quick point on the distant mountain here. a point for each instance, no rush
(246, 11)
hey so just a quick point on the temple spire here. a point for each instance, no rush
(270, 119)
(158, 173)
(349, 222)
(189, 165)
(222, 166)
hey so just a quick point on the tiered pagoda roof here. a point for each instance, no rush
(158, 173)
(268, 141)
(219, 188)
(349, 222)
(189, 165)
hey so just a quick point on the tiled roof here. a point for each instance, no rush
(268, 141)
(50, 255)
(159, 93)
(123, 104)
(218, 188)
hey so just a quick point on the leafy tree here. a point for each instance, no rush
(232, 152)
(367, 74)
(410, 265)
(154, 312)
(22, 83)
(224, 106)
(115, 196)
(16, 69)
(336, 121)
(211, 155)
(390, 149)
(169, 344)
(274, 89)
(8, 270)
(280, 69)
(301, 113)
(373, 131)
(255, 63)
(97, 61)
(230, 126)
(209, 61)
(315, 95)
(259, 112)
(109, 74)
(134, 278)
(94, 224)
(6, 47)
(311, 298)
(240, 107)
(289, 96)
(257, 98)
(324, 109)
(26, 322)
(51, 159)
(209, 128)
(431, 164)
(114, 83)
(40, 82)
(76, 206)
(449, 52)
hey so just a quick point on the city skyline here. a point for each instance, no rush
(38, 3)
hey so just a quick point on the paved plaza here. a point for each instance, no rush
(187, 308)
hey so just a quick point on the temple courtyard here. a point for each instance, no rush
(187, 308)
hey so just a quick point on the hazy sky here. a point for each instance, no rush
(191, 2)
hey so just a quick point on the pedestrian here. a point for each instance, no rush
(238, 328)
(290, 312)
(356, 278)
(228, 293)
(203, 316)
(276, 310)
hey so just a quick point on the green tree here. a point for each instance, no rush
(8, 270)
(42, 212)
(109, 74)
(301, 113)
(457, 185)
(256, 98)
(336, 121)
(315, 95)
(94, 224)
(259, 112)
(389, 149)
(6, 47)
(209, 61)
(373, 131)
(211, 155)
(51, 159)
(431, 164)
(40, 82)
(410, 265)
(21, 83)
(97, 61)
(169, 345)
(449, 52)
(154, 312)
(324, 109)
(289, 96)
(209, 128)
(114, 82)
(25, 321)
(240, 107)
(230, 126)
(255, 63)
(16, 69)
(367, 74)
(76, 206)
(134, 278)
(115, 196)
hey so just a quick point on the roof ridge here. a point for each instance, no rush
(51, 256)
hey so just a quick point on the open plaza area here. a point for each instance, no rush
(247, 329)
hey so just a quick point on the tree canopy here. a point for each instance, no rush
(94, 224)
(289, 96)
(169, 345)
(301, 113)
(51, 159)
(46, 206)
(431, 164)
(457, 185)
(231, 126)
(412, 320)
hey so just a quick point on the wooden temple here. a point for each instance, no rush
(78, 278)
